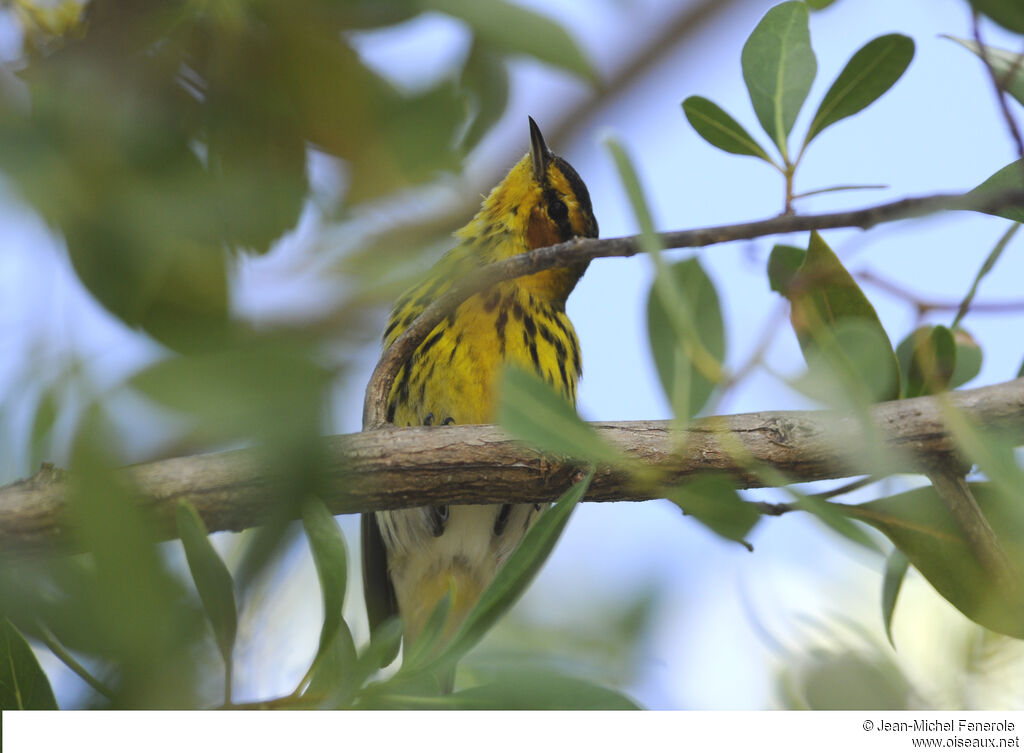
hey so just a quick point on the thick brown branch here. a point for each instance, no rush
(402, 467)
(586, 249)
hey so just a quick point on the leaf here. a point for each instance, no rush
(1002, 180)
(835, 323)
(526, 690)
(327, 544)
(896, 565)
(714, 501)
(869, 74)
(23, 684)
(818, 4)
(784, 263)
(211, 576)
(968, 358)
(514, 576)
(927, 358)
(334, 667)
(920, 525)
(1004, 64)
(687, 334)
(983, 270)
(485, 77)
(779, 67)
(825, 512)
(718, 128)
(1007, 13)
(519, 31)
(531, 410)
(432, 631)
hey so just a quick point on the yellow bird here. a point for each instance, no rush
(413, 557)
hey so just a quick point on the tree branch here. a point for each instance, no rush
(403, 467)
(586, 249)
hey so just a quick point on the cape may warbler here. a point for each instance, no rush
(412, 557)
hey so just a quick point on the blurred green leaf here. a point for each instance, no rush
(714, 501)
(779, 67)
(211, 577)
(718, 128)
(825, 512)
(927, 358)
(384, 642)
(514, 576)
(835, 323)
(1007, 13)
(23, 684)
(784, 264)
(327, 544)
(42, 424)
(264, 389)
(818, 4)
(983, 270)
(429, 637)
(1007, 66)
(334, 667)
(869, 74)
(531, 410)
(896, 565)
(844, 680)
(519, 31)
(1005, 179)
(687, 334)
(524, 690)
(485, 78)
(123, 603)
(968, 358)
(920, 525)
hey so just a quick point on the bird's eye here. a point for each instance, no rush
(557, 210)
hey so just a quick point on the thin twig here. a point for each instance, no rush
(926, 305)
(586, 249)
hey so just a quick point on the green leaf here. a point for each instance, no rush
(968, 358)
(714, 501)
(1005, 179)
(334, 667)
(784, 264)
(327, 544)
(519, 31)
(983, 270)
(896, 565)
(827, 514)
(779, 67)
(23, 684)
(485, 78)
(211, 576)
(835, 323)
(1007, 66)
(531, 410)
(525, 690)
(1007, 13)
(920, 525)
(514, 576)
(869, 74)
(687, 333)
(431, 634)
(718, 128)
(927, 358)
(818, 4)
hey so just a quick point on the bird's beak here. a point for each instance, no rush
(539, 152)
